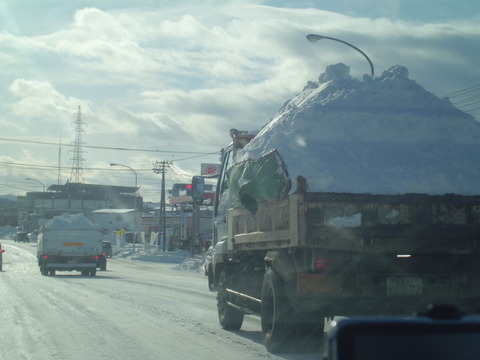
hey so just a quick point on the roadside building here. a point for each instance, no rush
(35, 207)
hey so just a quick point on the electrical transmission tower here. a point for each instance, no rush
(77, 167)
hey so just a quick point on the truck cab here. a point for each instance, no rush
(222, 203)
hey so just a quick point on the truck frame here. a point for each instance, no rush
(312, 256)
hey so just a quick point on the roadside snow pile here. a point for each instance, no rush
(167, 257)
(182, 258)
(8, 232)
(71, 222)
(191, 264)
(385, 135)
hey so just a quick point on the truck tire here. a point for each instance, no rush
(229, 317)
(93, 272)
(276, 314)
(211, 284)
(43, 268)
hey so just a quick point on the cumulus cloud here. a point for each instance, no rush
(180, 76)
(39, 101)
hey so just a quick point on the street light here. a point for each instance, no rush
(314, 38)
(128, 167)
(38, 181)
(43, 196)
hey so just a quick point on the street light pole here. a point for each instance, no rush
(135, 201)
(43, 195)
(315, 37)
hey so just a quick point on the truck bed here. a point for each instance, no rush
(360, 222)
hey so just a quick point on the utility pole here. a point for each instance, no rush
(196, 226)
(160, 167)
(59, 160)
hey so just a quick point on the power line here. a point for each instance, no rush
(462, 92)
(464, 99)
(108, 148)
(48, 167)
(465, 102)
(14, 187)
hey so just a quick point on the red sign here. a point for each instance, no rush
(210, 169)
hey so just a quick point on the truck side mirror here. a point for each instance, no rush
(198, 187)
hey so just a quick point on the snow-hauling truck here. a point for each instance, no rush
(315, 255)
(69, 243)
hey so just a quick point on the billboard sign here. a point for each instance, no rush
(209, 169)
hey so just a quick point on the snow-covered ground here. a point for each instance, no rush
(133, 310)
(182, 258)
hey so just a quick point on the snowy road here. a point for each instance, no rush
(134, 310)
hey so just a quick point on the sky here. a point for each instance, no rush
(166, 80)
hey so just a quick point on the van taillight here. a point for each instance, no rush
(45, 256)
(96, 257)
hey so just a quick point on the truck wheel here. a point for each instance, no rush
(229, 317)
(43, 268)
(52, 272)
(211, 285)
(276, 314)
(93, 272)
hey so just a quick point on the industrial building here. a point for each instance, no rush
(34, 207)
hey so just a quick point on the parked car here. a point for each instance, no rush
(107, 248)
(1, 256)
(22, 236)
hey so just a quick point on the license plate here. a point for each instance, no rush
(404, 286)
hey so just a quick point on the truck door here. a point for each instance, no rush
(222, 200)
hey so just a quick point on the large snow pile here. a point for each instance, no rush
(71, 222)
(383, 135)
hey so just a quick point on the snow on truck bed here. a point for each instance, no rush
(382, 135)
(70, 222)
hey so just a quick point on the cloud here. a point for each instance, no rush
(39, 101)
(179, 76)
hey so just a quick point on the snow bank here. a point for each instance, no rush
(71, 222)
(8, 232)
(385, 135)
(181, 258)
